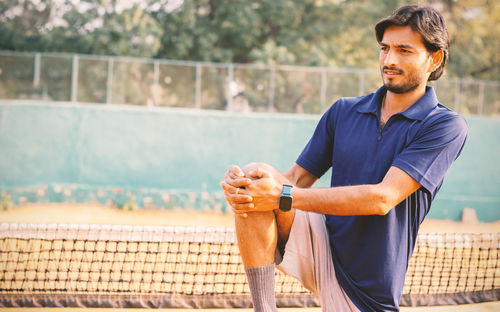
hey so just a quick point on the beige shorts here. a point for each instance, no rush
(307, 257)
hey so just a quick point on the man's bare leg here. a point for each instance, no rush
(258, 236)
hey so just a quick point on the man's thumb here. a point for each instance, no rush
(259, 173)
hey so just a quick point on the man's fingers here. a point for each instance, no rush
(242, 182)
(237, 198)
(243, 215)
(232, 189)
(239, 213)
(259, 173)
(240, 209)
(236, 171)
(235, 177)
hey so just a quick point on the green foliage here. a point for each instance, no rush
(303, 32)
(129, 205)
(16, 78)
(6, 204)
(87, 26)
(474, 27)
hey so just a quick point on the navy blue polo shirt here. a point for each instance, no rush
(371, 253)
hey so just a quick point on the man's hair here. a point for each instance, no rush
(428, 23)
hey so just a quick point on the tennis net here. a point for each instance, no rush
(72, 265)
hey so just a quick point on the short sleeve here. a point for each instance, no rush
(429, 156)
(316, 157)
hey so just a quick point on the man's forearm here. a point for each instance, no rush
(343, 201)
(368, 199)
(262, 193)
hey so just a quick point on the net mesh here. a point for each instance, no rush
(454, 263)
(116, 260)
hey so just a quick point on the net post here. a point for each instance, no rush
(109, 81)
(74, 77)
(36, 70)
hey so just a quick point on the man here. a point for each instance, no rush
(389, 152)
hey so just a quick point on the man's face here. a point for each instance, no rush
(404, 60)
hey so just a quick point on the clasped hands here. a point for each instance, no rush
(256, 187)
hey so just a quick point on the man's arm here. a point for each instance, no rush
(369, 199)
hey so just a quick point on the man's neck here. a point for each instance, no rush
(395, 103)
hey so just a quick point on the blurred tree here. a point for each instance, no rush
(131, 32)
(209, 30)
(87, 26)
(304, 32)
(474, 27)
(22, 24)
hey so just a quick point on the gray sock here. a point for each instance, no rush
(261, 283)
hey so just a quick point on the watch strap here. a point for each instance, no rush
(287, 190)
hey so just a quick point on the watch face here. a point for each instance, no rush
(285, 203)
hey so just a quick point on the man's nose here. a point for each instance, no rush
(390, 59)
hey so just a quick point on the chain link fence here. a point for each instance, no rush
(219, 86)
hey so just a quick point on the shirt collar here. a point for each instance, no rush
(417, 111)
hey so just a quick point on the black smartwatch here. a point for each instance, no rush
(285, 201)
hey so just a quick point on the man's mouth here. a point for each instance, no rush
(392, 71)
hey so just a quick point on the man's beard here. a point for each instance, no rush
(411, 83)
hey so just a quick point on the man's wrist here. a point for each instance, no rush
(297, 193)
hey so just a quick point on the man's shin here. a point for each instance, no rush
(257, 236)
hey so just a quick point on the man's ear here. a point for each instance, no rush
(436, 60)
